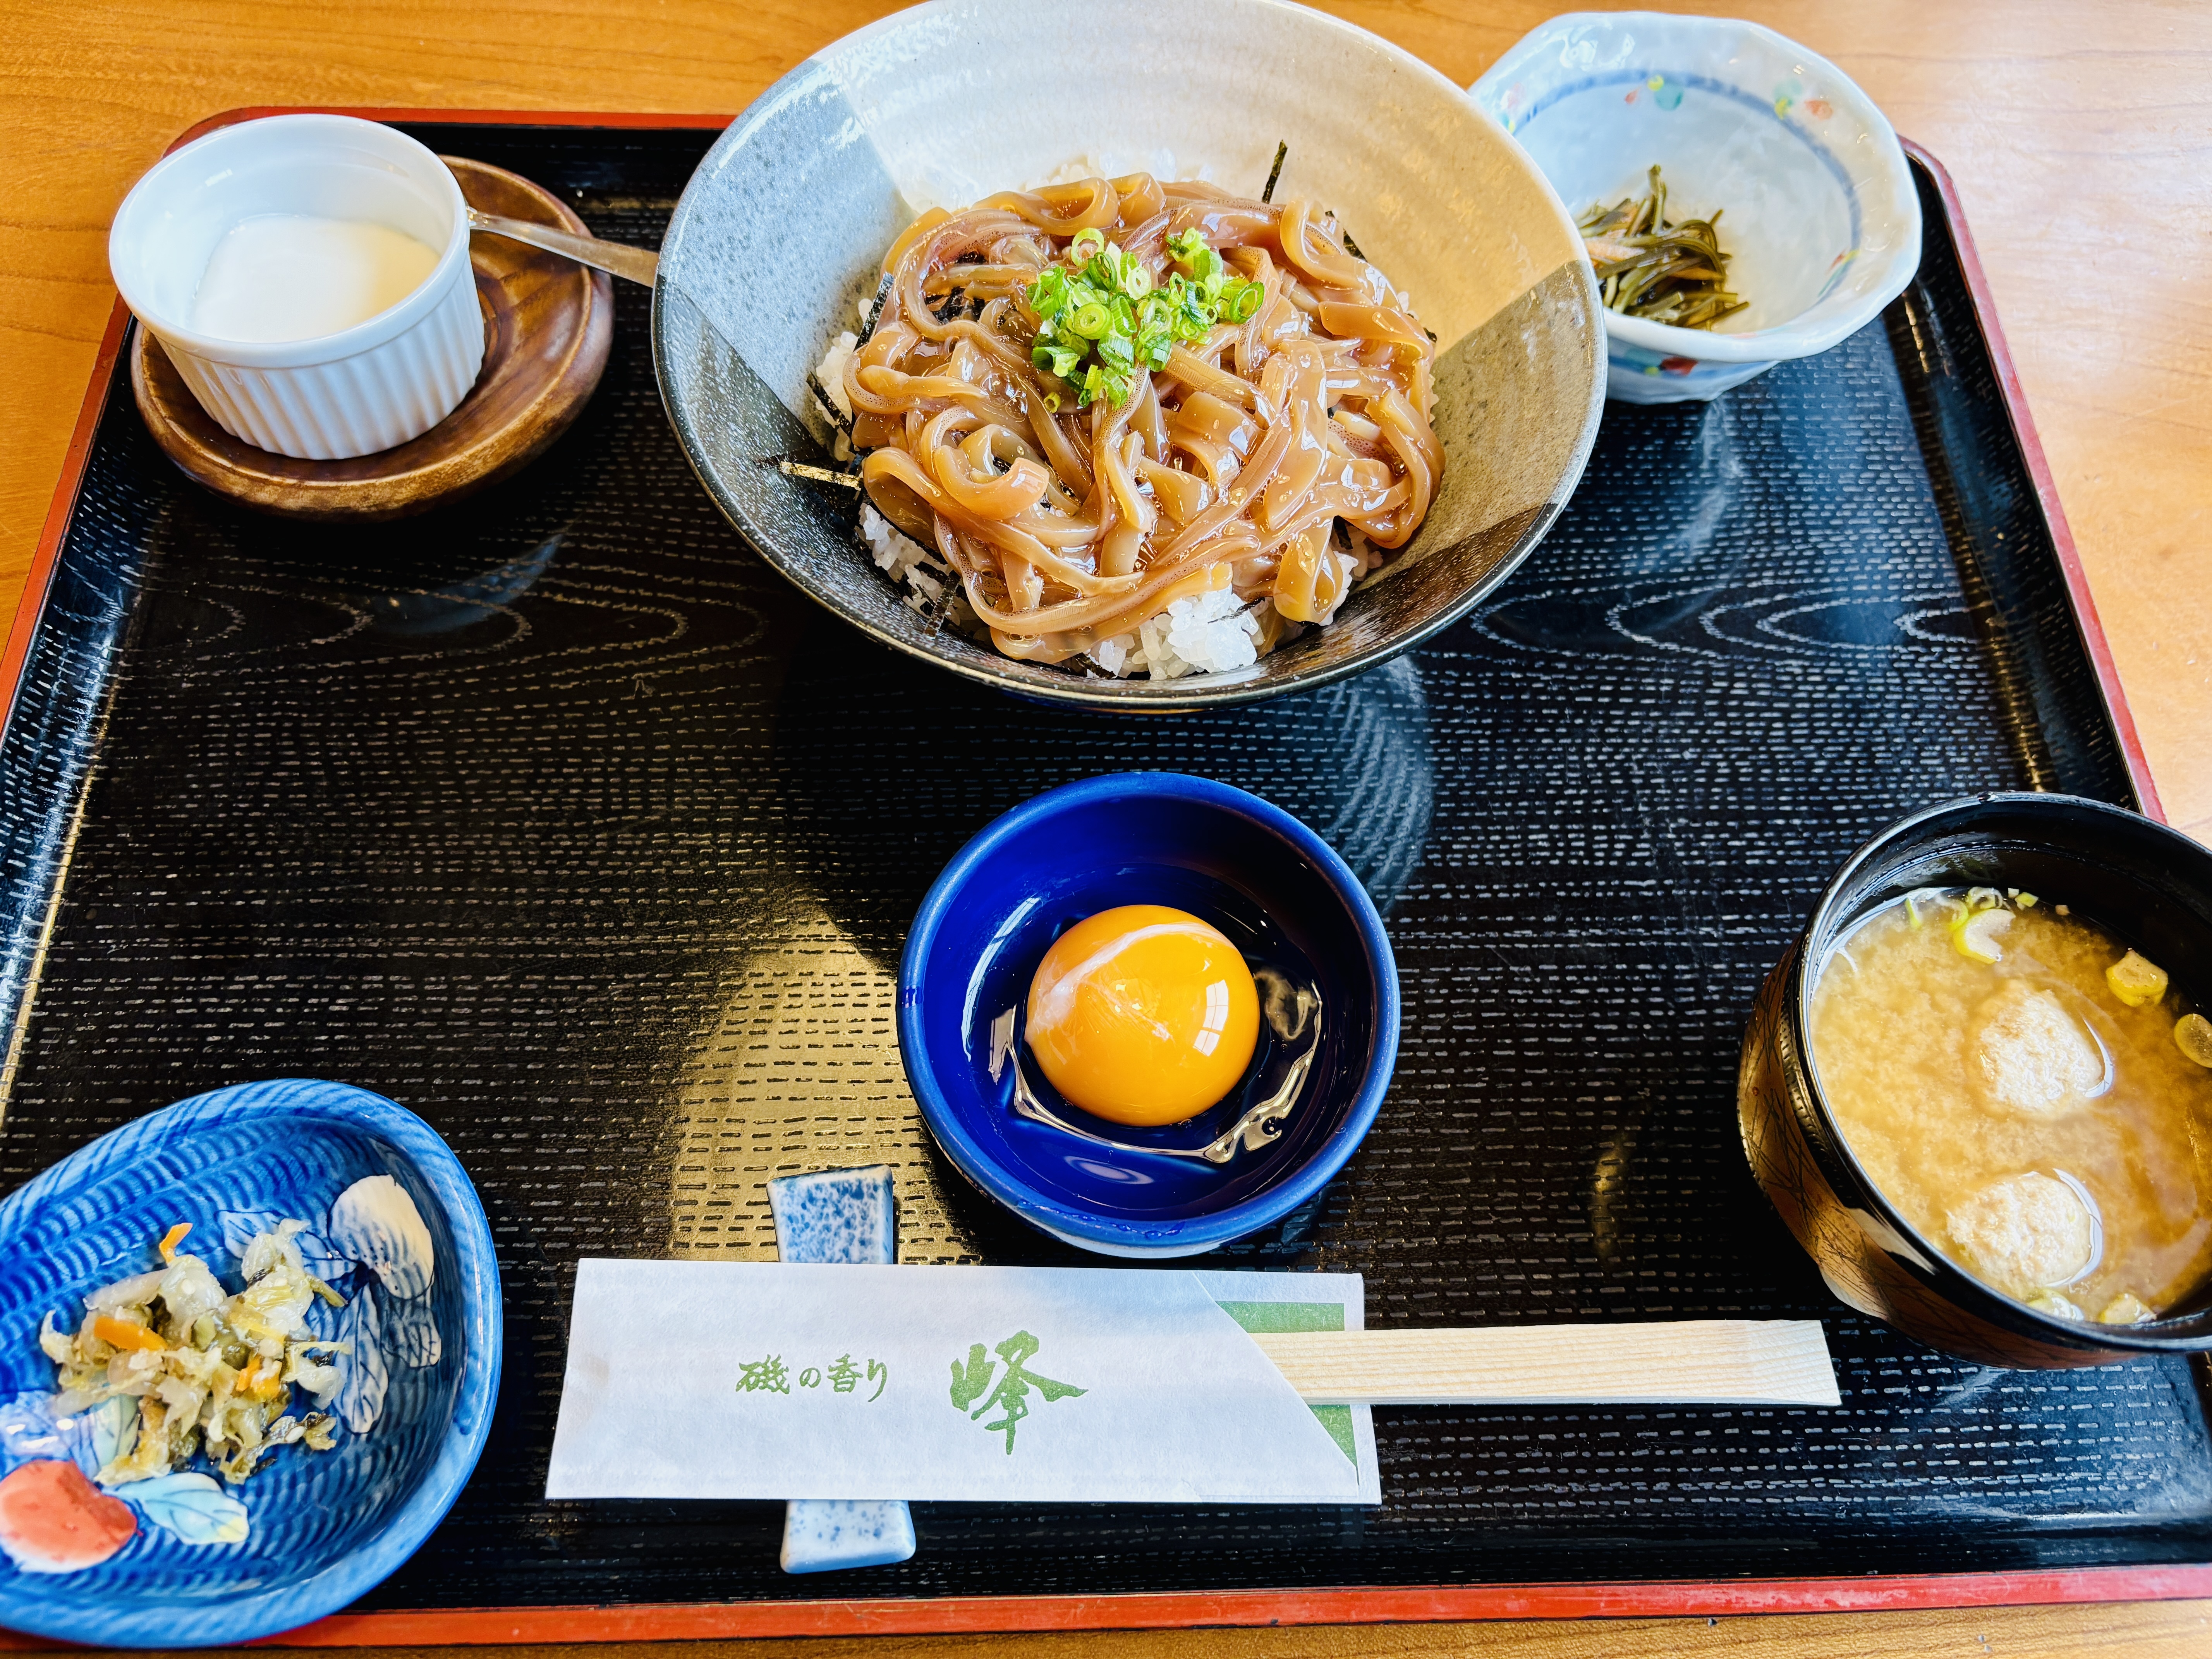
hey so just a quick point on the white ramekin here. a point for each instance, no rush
(362, 389)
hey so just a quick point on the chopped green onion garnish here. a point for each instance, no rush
(1049, 296)
(1103, 317)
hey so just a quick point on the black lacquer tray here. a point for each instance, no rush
(557, 817)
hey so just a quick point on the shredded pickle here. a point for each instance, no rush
(172, 1238)
(210, 1371)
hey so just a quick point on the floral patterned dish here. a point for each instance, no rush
(1820, 220)
(406, 1352)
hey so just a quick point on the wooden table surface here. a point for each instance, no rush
(2080, 138)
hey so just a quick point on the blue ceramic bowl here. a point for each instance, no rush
(417, 1405)
(1142, 838)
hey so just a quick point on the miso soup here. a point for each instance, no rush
(2027, 1091)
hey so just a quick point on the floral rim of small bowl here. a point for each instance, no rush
(1813, 86)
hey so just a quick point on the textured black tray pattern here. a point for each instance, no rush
(557, 817)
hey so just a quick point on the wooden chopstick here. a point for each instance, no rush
(1773, 1362)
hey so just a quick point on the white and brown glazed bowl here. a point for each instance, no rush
(2150, 885)
(785, 223)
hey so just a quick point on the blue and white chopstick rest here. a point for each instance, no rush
(840, 1216)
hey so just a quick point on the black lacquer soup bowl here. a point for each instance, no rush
(2151, 886)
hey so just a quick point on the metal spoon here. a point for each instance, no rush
(636, 264)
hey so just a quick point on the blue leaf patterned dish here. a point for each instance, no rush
(391, 1224)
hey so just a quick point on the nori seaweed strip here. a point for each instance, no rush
(1282, 149)
(843, 424)
(838, 418)
(852, 473)
(818, 474)
(959, 303)
(883, 293)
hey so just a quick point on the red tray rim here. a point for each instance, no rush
(1345, 1605)
(976, 1615)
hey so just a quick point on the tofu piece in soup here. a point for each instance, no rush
(2022, 1088)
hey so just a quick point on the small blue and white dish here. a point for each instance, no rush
(1821, 221)
(421, 1314)
(1278, 892)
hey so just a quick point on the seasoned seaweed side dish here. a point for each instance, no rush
(1649, 266)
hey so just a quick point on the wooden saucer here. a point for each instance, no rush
(548, 324)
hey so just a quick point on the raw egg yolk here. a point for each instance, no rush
(1143, 1015)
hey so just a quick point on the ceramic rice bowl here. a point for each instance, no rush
(785, 225)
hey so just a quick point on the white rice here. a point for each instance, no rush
(1120, 656)
(905, 561)
(938, 184)
(1204, 634)
(831, 371)
(1117, 164)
